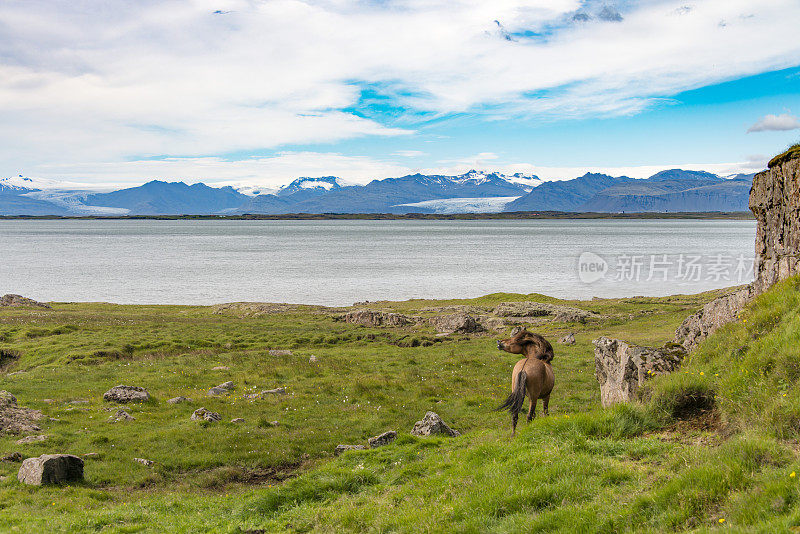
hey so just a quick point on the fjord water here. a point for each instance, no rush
(341, 262)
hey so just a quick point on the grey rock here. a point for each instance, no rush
(120, 416)
(382, 439)
(51, 469)
(221, 368)
(12, 457)
(313, 359)
(622, 368)
(555, 312)
(79, 402)
(238, 420)
(18, 301)
(15, 419)
(179, 400)
(92, 455)
(201, 414)
(376, 318)
(569, 339)
(431, 425)
(342, 448)
(222, 389)
(460, 323)
(280, 352)
(144, 462)
(124, 394)
(713, 315)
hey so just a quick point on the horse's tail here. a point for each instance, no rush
(514, 401)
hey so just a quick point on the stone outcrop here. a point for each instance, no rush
(126, 394)
(382, 439)
(120, 416)
(457, 323)
(18, 301)
(279, 352)
(432, 425)
(775, 202)
(569, 339)
(716, 313)
(201, 414)
(179, 400)
(15, 419)
(556, 312)
(223, 389)
(622, 368)
(376, 318)
(51, 469)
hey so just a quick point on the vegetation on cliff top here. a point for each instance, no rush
(714, 447)
(791, 152)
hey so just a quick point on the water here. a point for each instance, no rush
(341, 262)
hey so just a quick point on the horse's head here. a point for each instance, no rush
(527, 343)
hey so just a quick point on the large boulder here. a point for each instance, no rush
(18, 301)
(376, 318)
(15, 419)
(431, 425)
(457, 323)
(622, 368)
(716, 313)
(125, 394)
(51, 469)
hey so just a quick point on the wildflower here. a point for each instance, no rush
(701, 373)
(792, 474)
(721, 520)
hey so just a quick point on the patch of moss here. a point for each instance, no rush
(792, 152)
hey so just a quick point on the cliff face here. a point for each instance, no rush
(775, 201)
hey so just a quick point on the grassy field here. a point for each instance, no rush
(639, 468)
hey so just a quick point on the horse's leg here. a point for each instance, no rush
(534, 395)
(545, 402)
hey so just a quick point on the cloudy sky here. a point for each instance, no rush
(261, 91)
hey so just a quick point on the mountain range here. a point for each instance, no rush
(473, 192)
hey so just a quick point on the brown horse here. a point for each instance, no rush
(532, 374)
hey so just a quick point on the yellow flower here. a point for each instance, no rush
(701, 373)
(721, 519)
(791, 475)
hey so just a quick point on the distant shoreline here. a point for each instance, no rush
(730, 215)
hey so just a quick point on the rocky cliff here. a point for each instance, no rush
(775, 201)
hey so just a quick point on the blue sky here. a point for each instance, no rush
(252, 92)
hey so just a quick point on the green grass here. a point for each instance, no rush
(632, 468)
(791, 152)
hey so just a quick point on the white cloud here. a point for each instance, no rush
(172, 77)
(775, 123)
(410, 153)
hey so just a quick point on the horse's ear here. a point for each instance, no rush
(516, 330)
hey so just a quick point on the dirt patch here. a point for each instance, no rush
(15, 419)
(254, 309)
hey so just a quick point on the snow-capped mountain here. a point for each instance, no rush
(471, 192)
(306, 184)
